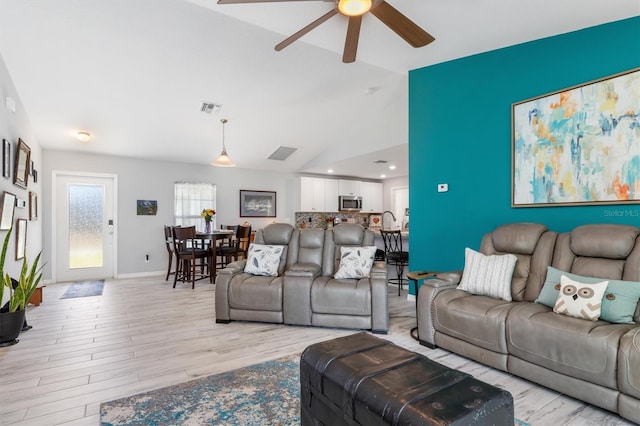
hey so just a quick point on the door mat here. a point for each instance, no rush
(84, 289)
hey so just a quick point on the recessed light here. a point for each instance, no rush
(83, 135)
(392, 167)
(383, 176)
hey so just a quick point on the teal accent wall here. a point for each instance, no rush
(460, 134)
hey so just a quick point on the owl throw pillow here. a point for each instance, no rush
(580, 300)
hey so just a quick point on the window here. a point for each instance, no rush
(189, 201)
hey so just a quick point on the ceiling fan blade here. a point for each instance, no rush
(403, 26)
(259, 1)
(287, 41)
(351, 42)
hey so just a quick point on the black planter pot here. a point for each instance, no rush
(10, 327)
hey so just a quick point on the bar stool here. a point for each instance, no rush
(394, 254)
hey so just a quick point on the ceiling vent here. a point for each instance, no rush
(380, 162)
(282, 153)
(210, 107)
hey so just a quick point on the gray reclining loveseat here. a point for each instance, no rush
(595, 361)
(305, 291)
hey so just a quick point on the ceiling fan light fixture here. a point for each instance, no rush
(354, 7)
(223, 159)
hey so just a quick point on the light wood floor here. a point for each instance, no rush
(141, 335)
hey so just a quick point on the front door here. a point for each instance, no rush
(84, 227)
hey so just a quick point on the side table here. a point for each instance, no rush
(414, 277)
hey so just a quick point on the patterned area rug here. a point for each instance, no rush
(84, 289)
(258, 395)
(261, 394)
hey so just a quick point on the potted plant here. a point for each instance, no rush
(19, 291)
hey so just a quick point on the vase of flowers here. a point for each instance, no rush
(207, 214)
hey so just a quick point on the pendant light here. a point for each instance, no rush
(223, 159)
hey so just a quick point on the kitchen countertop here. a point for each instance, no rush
(404, 234)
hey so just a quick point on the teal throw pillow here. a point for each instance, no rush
(618, 304)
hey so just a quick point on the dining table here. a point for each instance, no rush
(210, 239)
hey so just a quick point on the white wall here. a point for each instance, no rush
(153, 180)
(13, 126)
(388, 187)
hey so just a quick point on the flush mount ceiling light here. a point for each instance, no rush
(223, 159)
(83, 135)
(354, 7)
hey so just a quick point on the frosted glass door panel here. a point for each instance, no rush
(85, 231)
(86, 226)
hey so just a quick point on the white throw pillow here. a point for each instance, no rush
(355, 262)
(263, 260)
(488, 275)
(580, 300)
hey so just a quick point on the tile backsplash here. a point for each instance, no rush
(320, 219)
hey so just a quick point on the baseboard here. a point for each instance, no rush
(142, 274)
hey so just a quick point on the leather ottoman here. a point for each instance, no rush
(364, 380)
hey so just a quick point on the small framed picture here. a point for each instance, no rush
(33, 206)
(147, 207)
(21, 238)
(7, 206)
(35, 176)
(6, 158)
(31, 168)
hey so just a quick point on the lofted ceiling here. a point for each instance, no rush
(134, 73)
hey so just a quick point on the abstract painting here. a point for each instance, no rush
(578, 146)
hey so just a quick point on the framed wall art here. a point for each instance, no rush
(33, 206)
(21, 238)
(257, 203)
(6, 158)
(23, 162)
(146, 207)
(578, 146)
(7, 206)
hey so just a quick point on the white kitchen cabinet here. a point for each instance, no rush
(371, 193)
(349, 187)
(331, 194)
(312, 194)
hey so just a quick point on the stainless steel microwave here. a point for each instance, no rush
(349, 203)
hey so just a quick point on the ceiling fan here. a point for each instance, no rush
(354, 10)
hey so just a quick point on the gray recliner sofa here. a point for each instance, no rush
(597, 362)
(305, 291)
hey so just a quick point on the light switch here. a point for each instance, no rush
(443, 187)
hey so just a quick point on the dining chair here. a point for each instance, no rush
(188, 252)
(394, 255)
(239, 245)
(244, 239)
(168, 241)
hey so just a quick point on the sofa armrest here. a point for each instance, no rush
(232, 268)
(379, 298)
(223, 280)
(303, 270)
(379, 271)
(296, 293)
(424, 307)
(445, 278)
